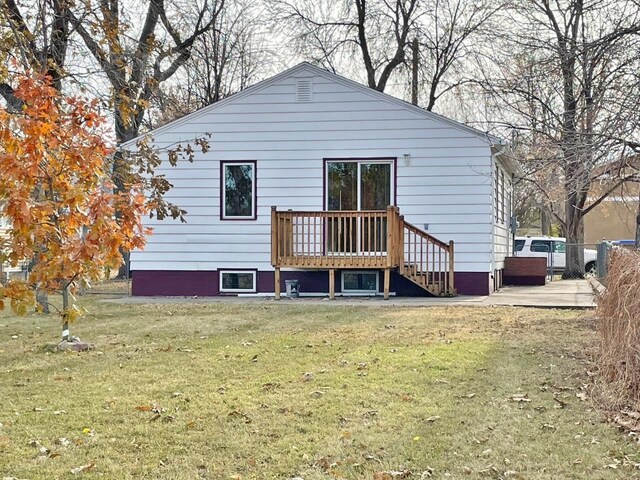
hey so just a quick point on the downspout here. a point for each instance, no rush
(494, 162)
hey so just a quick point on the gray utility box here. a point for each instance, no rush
(293, 288)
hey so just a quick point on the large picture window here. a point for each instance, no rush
(238, 185)
(358, 184)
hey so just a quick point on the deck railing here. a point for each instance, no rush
(340, 239)
(360, 240)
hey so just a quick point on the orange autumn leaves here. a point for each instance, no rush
(56, 192)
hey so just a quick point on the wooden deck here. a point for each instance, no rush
(382, 240)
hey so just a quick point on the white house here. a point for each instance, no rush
(331, 156)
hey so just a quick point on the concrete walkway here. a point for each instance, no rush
(558, 294)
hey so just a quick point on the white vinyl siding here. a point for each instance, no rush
(502, 235)
(447, 185)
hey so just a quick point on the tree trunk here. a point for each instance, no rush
(124, 133)
(414, 71)
(65, 312)
(545, 222)
(43, 300)
(574, 267)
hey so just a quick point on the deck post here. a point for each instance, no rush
(451, 272)
(274, 236)
(401, 243)
(276, 282)
(387, 281)
(391, 226)
(332, 284)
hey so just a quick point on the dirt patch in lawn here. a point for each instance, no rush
(282, 391)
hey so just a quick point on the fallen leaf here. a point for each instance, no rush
(82, 468)
(520, 397)
(63, 441)
(560, 402)
(239, 415)
(392, 475)
(432, 419)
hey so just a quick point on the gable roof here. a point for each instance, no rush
(305, 66)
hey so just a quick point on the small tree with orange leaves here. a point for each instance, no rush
(57, 193)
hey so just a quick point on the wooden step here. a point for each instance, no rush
(435, 288)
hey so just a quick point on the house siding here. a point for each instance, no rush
(502, 234)
(447, 187)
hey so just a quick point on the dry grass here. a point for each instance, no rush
(618, 316)
(269, 390)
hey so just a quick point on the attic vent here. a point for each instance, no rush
(304, 90)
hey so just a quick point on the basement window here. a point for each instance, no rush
(360, 282)
(237, 281)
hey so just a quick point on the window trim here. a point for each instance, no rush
(503, 209)
(496, 192)
(393, 161)
(254, 213)
(360, 272)
(221, 289)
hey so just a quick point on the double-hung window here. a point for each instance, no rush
(238, 190)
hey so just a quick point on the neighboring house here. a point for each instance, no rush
(613, 219)
(331, 156)
(6, 270)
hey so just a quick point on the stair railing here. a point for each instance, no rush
(426, 260)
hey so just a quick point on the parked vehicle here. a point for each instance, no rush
(628, 244)
(554, 248)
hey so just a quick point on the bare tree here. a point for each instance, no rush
(568, 75)
(377, 31)
(224, 60)
(39, 43)
(136, 64)
(449, 32)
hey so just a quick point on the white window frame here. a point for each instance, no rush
(238, 290)
(223, 194)
(360, 272)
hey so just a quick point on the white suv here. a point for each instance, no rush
(553, 248)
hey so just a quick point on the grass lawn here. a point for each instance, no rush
(266, 390)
